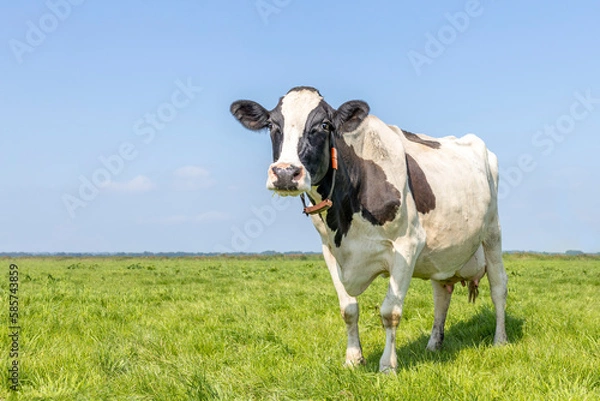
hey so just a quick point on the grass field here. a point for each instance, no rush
(269, 328)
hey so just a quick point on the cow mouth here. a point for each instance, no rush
(288, 190)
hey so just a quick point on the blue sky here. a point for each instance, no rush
(138, 93)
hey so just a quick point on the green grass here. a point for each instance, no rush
(269, 328)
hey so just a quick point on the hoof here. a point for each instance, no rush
(433, 347)
(352, 363)
(435, 342)
(500, 341)
(354, 358)
(387, 370)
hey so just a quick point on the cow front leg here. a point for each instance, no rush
(349, 310)
(391, 311)
(441, 302)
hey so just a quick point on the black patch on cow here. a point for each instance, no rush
(417, 139)
(419, 186)
(361, 186)
(276, 123)
(313, 147)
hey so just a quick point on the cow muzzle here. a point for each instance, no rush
(287, 179)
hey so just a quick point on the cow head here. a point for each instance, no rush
(301, 126)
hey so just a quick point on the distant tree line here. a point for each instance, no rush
(570, 252)
(149, 254)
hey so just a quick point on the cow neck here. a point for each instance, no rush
(361, 186)
(345, 196)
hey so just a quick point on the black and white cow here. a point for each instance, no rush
(387, 202)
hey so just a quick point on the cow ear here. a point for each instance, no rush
(349, 116)
(251, 114)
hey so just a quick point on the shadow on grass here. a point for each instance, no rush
(476, 332)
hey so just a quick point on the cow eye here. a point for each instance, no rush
(269, 125)
(326, 126)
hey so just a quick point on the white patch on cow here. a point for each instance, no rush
(295, 107)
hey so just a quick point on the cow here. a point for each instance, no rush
(387, 202)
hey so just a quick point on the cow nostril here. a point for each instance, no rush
(297, 172)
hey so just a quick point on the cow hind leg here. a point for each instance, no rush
(498, 281)
(441, 303)
(349, 310)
